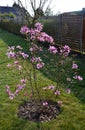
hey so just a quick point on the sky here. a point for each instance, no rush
(57, 5)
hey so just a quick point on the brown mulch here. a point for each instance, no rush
(37, 112)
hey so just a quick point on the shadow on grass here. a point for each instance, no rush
(13, 40)
(49, 69)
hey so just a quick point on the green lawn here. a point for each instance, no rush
(73, 108)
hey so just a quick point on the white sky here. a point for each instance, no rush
(58, 5)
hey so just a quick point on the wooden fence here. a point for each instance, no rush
(71, 30)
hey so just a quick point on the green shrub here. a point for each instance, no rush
(51, 27)
(10, 26)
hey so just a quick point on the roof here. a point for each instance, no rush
(5, 9)
(79, 12)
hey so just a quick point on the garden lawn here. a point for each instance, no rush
(72, 116)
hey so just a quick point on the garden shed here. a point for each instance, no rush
(71, 30)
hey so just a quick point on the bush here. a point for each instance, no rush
(50, 27)
(11, 26)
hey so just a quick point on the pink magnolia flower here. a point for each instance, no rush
(36, 59)
(46, 38)
(11, 54)
(78, 77)
(20, 87)
(51, 87)
(59, 103)
(17, 91)
(40, 65)
(24, 30)
(31, 49)
(11, 96)
(16, 62)
(45, 103)
(57, 92)
(19, 67)
(39, 26)
(49, 39)
(53, 49)
(11, 48)
(25, 56)
(68, 91)
(74, 66)
(23, 80)
(9, 65)
(66, 48)
(33, 38)
(7, 88)
(33, 59)
(34, 48)
(65, 51)
(32, 32)
(19, 47)
(41, 39)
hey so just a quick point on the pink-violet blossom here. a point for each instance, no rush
(16, 62)
(39, 26)
(23, 80)
(53, 49)
(40, 65)
(24, 30)
(25, 56)
(57, 92)
(66, 48)
(9, 65)
(11, 54)
(74, 66)
(51, 87)
(19, 47)
(11, 48)
(20, 87)
(45, 103)
(78, 77)
(68, 91)
(59, 103)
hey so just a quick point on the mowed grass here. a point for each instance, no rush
(72, 116)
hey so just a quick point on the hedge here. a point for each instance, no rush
(11, 26)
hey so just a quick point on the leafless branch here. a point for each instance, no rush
(38, 7)
(32, 5)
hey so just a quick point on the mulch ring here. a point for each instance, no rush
(37, 112)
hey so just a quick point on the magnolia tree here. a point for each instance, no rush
(34, 36)
(32, 10)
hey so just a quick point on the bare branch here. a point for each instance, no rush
(32, 5)
(40, 3)
(35, 4)
(38, 8)
(44, 3)
(48, 6)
